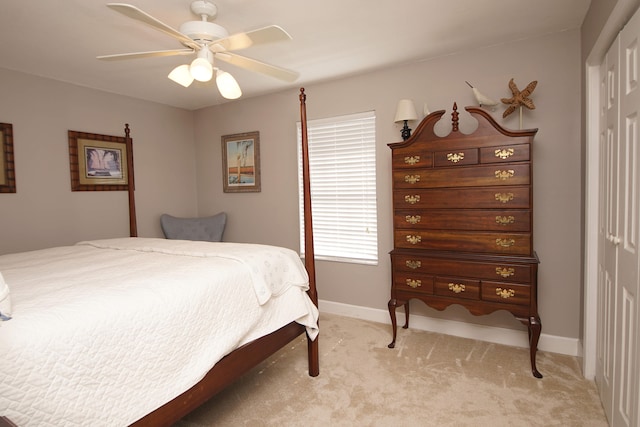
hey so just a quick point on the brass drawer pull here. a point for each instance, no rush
(504, 197)
(456, 287)
(411, 179)
(412, 160)
(505, 153)
(455, 157)
(505, 293)
(504, 175)
(414, 240)
(505, 243)
(413, 219)
(414, 283)
(505, 271)
(505, 220)
(412, 200)
(413, 264)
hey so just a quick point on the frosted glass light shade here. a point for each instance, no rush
(181, 75)
(201, 69)
(227, 85)
(405, 111)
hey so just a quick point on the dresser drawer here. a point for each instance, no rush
(505, 153)
(413, 282)
(455, 287)
(461, 241)
(412, 159)
(461, 198)
(476, 176)
(506, 293)
(463, 219)
(462, 157)
(485, 270)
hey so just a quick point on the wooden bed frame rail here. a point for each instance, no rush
(243, 359)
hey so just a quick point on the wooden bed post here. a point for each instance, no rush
(309, 254)
(133, 226)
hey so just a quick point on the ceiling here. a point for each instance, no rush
(331, 39)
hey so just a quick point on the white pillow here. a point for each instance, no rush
(5, 300)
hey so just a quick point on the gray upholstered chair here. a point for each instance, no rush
(207, 228)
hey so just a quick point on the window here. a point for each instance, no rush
(342, 163)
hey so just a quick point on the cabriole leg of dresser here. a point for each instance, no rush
(406, 315)
(393, 304)
(534, 327)
(394, 323)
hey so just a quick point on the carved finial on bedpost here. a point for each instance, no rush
(454, 118)
(303, 96)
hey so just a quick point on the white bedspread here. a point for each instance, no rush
(106, 331)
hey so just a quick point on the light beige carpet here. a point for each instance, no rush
(429, 379)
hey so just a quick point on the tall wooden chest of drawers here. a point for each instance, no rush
(462, 222)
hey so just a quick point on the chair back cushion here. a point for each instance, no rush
(208, 228)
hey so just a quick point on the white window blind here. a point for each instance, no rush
(342, 163)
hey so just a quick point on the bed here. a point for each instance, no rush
(158, 326)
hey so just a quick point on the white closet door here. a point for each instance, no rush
(608, 227)
(625, 392)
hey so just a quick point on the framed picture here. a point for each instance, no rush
(241, 162)
(98, 162)
(7, 166)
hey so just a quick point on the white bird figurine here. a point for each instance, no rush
(483, 100)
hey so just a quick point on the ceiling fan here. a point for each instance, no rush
(209, 42)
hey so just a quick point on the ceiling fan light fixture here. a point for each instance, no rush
(227, 85)
(181, 75)
(208, 39)
(201, 69)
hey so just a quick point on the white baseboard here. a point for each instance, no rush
(552, 343)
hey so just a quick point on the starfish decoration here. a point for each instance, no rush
(519, 98)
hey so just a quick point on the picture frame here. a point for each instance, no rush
(241, 162)
(98, 162)
(7, 164)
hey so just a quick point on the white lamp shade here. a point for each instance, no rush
(201, 69)
(405, 111)
(181, 75)
(227, 85)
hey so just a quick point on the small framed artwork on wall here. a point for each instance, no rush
(7, 165)
(98, 162)
(241, 162)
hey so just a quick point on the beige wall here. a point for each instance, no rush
(45, 212)
(594, 21)
(271, 216)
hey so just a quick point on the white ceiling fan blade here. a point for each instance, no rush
(150, 54)
(238, 41)
(139, 15)
(257, 66)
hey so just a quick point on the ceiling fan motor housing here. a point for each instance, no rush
(203, 31)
